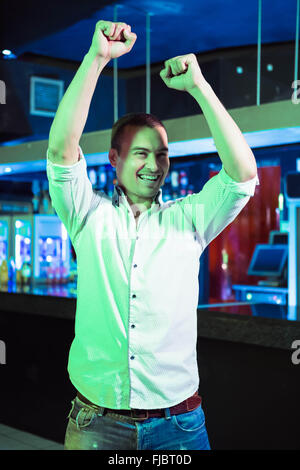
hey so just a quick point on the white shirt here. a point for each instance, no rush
(137, 287)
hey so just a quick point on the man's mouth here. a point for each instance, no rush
(149, 178)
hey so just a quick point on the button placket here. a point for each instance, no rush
(134, 282)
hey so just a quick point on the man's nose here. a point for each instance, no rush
(151, 162)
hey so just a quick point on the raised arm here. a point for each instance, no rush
(110, 40)
(183, 73)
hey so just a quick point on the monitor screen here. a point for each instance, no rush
(292, 185)
(268, 260)
(278, 238)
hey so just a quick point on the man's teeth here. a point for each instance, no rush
(152, 178)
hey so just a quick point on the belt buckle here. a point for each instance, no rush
(136, 414)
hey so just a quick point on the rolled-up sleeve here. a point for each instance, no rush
(71, 192)
(218, 204)
(246, 188)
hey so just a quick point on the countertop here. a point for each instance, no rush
(268, 325)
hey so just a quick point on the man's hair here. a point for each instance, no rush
(134, 119)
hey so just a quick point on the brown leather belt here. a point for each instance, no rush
(189, 404)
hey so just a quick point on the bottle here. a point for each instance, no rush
(63, 273)
(226, 290)
(174, 179)
(12, 270)
(45, 206)
(190, 189)
(18, 277)
(73, 271)
(102, 178)
(50, 275)
(92, 177)
(183, 179)
(26, 273)
(57, 274)
(35, 188)
(3, 272)
(166, 195)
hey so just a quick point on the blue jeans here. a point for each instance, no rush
(88, 429)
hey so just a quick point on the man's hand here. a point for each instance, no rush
(182, 73)
(112, 40)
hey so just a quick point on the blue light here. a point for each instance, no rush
(7, 54)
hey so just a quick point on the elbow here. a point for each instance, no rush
(247, 173)
(248, 177)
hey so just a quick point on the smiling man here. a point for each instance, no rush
(139, 152)
(133, 359)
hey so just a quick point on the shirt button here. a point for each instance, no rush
(132, 326)
(134, 296)
(135, 265)
(137, 238)
(131, 357)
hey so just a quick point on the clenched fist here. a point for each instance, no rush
(112, 40)
(182, 73)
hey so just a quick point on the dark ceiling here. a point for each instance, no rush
(64, 29)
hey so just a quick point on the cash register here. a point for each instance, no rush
(271, 261)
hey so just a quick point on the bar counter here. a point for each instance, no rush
(269, 325)
(249, 383)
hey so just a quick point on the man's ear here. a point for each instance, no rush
(113, 155)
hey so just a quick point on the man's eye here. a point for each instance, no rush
(163, 154)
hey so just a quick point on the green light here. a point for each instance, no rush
(249, 296)
(280, 201)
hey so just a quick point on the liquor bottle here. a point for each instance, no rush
(190, 189)
(175, 184)
(174, 179)
(92, 177)
(3, 272)
(63, 273)
(45, 204)
(50, 275)
(35, 188)
(183, 179)
(26, 273)
(102, 178)
(12, 271)
(166, 194)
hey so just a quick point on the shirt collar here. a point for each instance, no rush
(118, 192)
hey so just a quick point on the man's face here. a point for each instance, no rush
(144, 153)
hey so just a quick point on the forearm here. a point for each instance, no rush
(72, 112)
(234, 151)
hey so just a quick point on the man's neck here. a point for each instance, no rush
(139, 207)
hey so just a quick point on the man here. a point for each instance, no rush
(133, 359)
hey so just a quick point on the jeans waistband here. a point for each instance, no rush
(189, 404)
